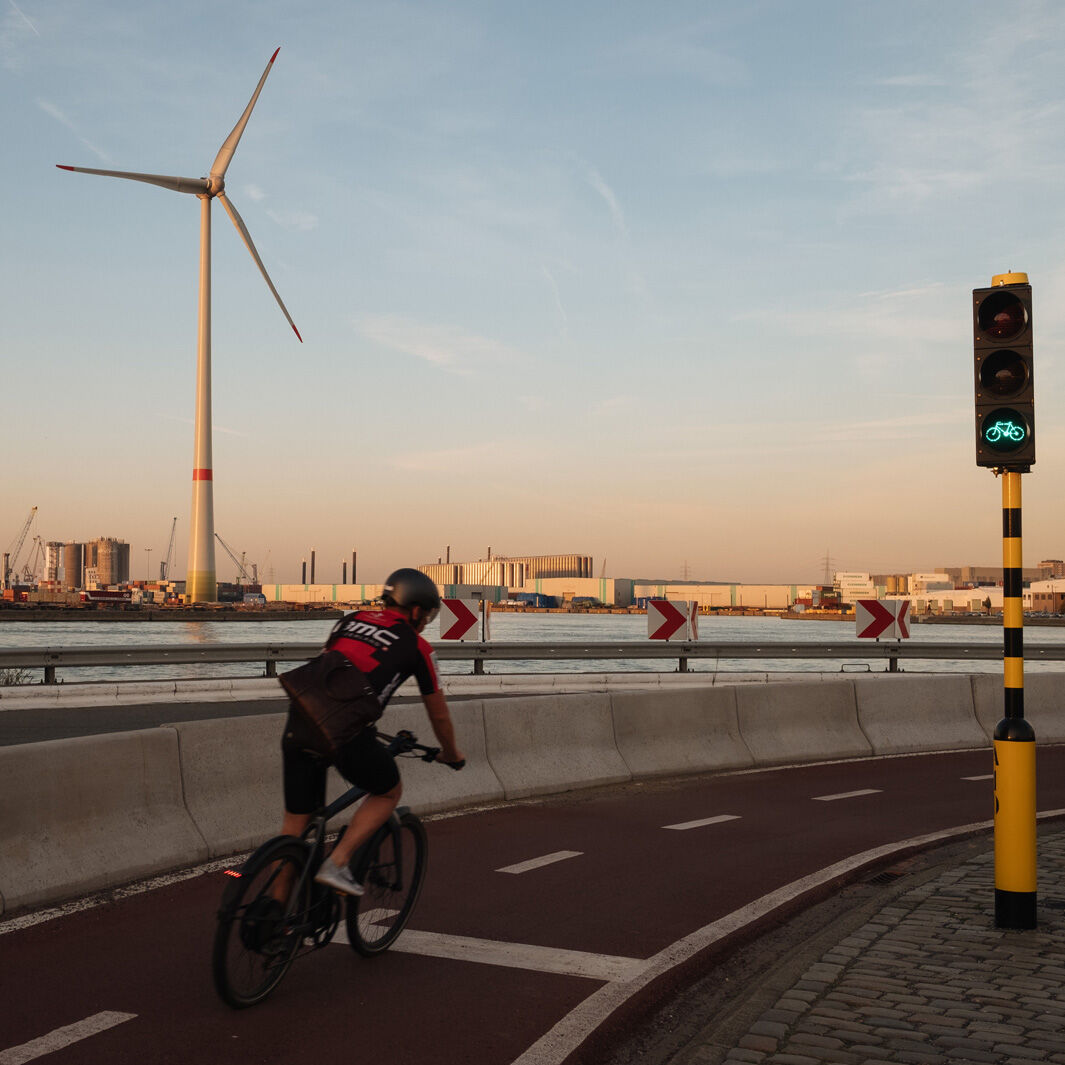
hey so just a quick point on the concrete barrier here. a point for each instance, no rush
(231, 774)
(80, 815)
(687, 731)
(902, 714)
(84, 814)
(433, 788)
(552, 743)
(1044, 704)
(783, 723)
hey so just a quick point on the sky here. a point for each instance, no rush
(684, 286)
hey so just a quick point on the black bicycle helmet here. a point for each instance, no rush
(410, 587)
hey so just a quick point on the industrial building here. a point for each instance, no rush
(97, 563)
(509, 571)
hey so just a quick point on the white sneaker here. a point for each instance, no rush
(339, 879)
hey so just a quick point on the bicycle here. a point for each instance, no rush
(1005, 431)
(273, 912)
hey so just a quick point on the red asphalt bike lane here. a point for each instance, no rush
(635, 887)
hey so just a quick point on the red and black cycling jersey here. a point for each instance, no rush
(384, 645)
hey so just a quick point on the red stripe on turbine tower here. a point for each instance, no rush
(203, 475)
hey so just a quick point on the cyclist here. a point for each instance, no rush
(386, 645)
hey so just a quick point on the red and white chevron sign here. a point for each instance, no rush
(889, 618)
(668, 620)
(458, 618)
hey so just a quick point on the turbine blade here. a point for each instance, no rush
(242, 229)
(229, 146)
(175, 184)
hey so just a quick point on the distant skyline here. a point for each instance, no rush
(675, 286)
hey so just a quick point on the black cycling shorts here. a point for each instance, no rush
(363, 762)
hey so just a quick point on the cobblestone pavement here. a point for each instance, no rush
(927, 979)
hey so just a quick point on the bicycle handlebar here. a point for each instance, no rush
(405, 742)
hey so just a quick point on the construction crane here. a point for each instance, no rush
(16, 548)
(242, 573)
(164, 566)
(31, 572)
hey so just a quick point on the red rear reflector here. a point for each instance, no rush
(232, 872)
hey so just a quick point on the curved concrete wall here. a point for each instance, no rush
(1044, 704)
(550, 743)
(783, 723)
(679, 732)
(85, 814)
(910, 713)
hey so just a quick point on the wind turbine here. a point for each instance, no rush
(201, 584)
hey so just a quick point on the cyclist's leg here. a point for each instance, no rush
(304, 777)
(366, 764)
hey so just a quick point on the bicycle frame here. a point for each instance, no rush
(314, 835)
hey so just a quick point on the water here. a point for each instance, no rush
(513, 627)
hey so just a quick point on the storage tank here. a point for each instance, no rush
(73, 565)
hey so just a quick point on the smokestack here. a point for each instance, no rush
(343, 572)
(312, 565)
(353, 557)
(303, 579)
(449, 554)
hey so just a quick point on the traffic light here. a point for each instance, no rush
(1005, 391)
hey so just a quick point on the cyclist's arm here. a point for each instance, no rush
(440, 719)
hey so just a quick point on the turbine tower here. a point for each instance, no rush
(201, 582)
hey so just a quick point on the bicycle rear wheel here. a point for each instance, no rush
(391, 870)
(260, 923)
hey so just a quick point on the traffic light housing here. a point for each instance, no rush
(1005, 390)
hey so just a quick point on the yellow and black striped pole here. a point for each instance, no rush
(1015, 848)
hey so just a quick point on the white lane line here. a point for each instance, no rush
(720, 819)
(555, 1045)
(63, 1037)
(605, 967)
(986, 776)
(847, 795)
(538, 863)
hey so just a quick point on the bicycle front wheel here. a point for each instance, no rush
(391, 872)
(260, 923)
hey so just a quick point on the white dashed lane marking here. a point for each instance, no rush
(63, 1037)
(539, 863)
(720, 819)
(514, 955)
(848, 795)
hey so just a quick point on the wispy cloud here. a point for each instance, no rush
(63, 119)
(215, 428)
(617, 215)
(447, 460)
(293, 219)
(553, 285)
(635, 282)
(15, 30)
(928, 311)
(451, 349)
(912, 81)
(22, 15)
(980, 121)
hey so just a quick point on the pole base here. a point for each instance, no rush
(1015, 909)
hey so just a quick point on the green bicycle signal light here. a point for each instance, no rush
(1004, 386)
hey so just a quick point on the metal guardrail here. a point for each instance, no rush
(52, 658)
